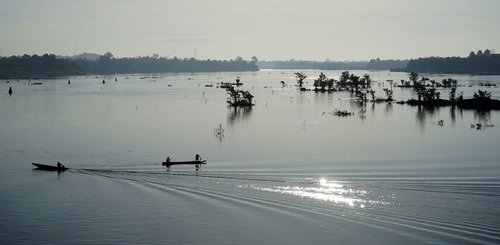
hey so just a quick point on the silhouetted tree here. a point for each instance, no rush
(482, 94)
(372, 94)
(368, 80)
(239, 98)
(449, 82)
(413, 78)
(453, 97)
(344, 79)
(388, 93)
(300, 78)
(321, 81)
(361, 96)
(354, 82)
(330, 83)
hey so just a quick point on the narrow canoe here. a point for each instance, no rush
(49, 167)
(184, 163)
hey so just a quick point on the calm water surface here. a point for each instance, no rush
(284, 172)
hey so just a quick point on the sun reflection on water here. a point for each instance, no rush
(325, 190)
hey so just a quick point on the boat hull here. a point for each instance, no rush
(184, 163)
(49, 167)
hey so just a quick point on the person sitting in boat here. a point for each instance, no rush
(166, 162)
(197, 157)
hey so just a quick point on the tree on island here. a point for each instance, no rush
(413, 78)
(321, 81)
(354, 82)
(453, 95)
(239, 98)
(389, 94)
(482, 95)
(344, 79)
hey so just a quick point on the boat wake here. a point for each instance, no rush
(404, 210)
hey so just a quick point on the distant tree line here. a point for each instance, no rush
(378, 64)
(35, 66)
(49, 65)
(480, 63)
(108, 64)
(374, 64)
(313, 65)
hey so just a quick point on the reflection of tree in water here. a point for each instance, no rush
(236, 114)
(482, 116)
(388, 108)
(453, 113)
(423, 112)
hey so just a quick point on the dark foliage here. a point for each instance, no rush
(45, 66)
(481, 63)
(481, 101)
(378, 64)
(107, 64)
(239, 98)
(316, 65)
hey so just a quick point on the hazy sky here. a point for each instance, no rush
(268, 29)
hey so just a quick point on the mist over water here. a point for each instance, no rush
(286, 171)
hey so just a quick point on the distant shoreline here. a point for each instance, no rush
(51, 66)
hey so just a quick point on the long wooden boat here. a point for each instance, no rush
(184, 163)
(49, 167)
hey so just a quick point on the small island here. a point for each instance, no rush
(239, 98)
(425, 89)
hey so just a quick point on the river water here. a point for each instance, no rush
(287, 171)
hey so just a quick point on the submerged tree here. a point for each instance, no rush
(413, 78)
(482, 94)
(453, 96)
(321, 81)
(344, 79)
(431, 94)
(367, 80)
(300, 78)
(330, 83)
(354, 82)
(388, 93)
(361, 96)
(372, 94)
(449, 82)
(239, 98)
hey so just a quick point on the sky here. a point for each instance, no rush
(340, 30)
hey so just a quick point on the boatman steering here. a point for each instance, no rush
(198, 159)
